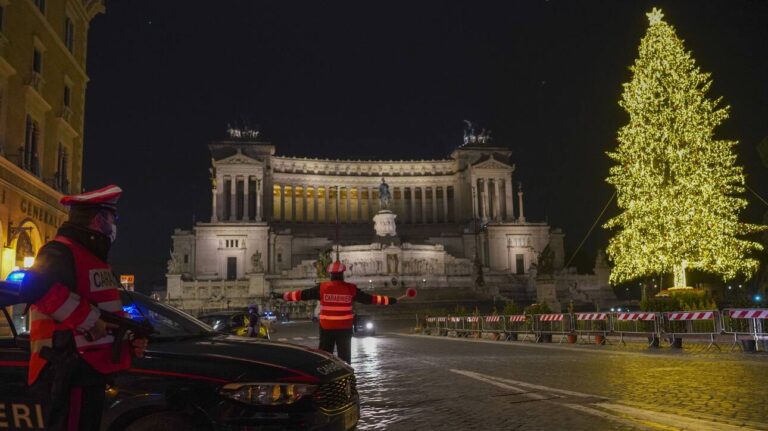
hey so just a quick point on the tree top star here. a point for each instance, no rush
(655, 16)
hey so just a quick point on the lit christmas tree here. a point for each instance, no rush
(678, 188)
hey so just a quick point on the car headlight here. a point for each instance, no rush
(267, 394)
(369, 325)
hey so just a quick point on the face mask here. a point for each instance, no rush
(113, 234)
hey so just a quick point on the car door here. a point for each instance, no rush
(19, 408)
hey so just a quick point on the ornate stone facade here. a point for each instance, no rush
(448, 213)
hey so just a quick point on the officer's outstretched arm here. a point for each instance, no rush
(302, 295)
(365, 298)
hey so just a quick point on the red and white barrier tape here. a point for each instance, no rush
(591, 316)
(749, 313)
(550, 317)
(636, 316)
(493, 318)
(694, 315)
(517, 318)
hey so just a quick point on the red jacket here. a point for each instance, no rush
(336, 299)
(75, 308)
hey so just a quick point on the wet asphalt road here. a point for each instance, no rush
(409, 382)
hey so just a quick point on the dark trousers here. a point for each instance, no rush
(341, 338)
(83, 407)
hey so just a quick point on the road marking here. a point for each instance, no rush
(314, 337)
(526, 385)
(482, 378)
(298, 338)
(282, 339)
(608, 416)
(671, 420)
(616, 412)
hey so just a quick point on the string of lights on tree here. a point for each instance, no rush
(678, 188)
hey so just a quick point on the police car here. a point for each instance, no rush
(195, 378)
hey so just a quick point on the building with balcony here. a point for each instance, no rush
(43, 48)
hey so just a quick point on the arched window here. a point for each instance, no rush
(23, 248)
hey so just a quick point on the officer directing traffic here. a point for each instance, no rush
(336, 297)
(67, 288)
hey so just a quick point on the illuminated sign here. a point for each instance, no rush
(127, 281)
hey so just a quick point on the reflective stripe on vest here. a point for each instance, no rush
(336, 304)
(97, 284)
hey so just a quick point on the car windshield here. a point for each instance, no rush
(168, 322)
(218, 323)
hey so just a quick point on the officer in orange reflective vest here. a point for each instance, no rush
(67, 287)
(336, 297)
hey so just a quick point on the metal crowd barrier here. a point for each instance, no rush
(591, 325)
(678, 324)
(519, 324)
(455, 326)
(430, 326)
(740, 323)
(746, 322)
(494, 326)
(552, 324)
(474, 326)
(635, 324)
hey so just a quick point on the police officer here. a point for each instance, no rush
(254, 321)
(336, 297)
(67, 288)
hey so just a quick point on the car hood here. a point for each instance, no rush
(226, 358)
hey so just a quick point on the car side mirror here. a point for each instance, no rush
(22, 341)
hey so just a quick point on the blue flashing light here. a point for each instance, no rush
(16, 276)
(133, 311)
(758, 298)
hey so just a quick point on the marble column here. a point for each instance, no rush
(215, 195)
(435, 218)
(349, 204)
(326, 200)
(509, 209)
(282, 203)
(371, 208)
(293, 202)
(521, 219)
(497, 199)
(413, 205)
(259, 198)
(445, 203)
(423, 204)
(315, 211)
(475, 192)
(246, 199)
(359, 211)
(232, 198)
(485, 199)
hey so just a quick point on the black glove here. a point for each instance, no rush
(276, 295)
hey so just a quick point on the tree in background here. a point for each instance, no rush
(678, 188)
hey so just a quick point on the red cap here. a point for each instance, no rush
(105, 197)
(336, 267)
(410, 292)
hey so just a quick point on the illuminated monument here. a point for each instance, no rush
(402, 223)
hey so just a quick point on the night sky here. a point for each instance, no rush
(388, 80)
